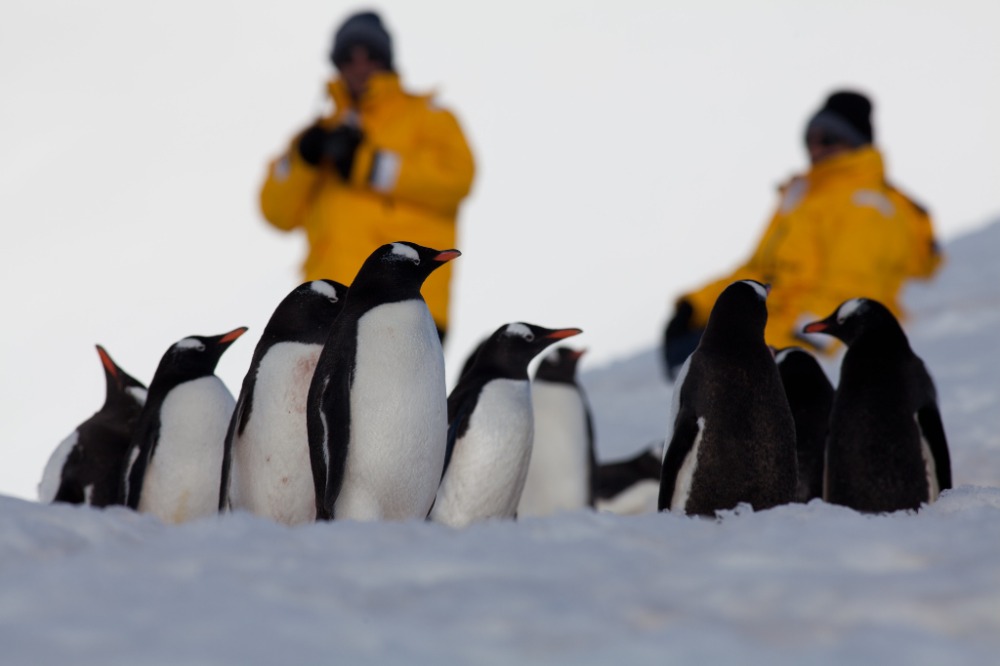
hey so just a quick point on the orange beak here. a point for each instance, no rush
(232, 335)
(564, 333)
(107, 362)
(447, 255)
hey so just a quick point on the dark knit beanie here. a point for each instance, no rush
(846, 116)
(362, 29)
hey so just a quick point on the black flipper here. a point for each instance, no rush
(932, 430)
(685, 432)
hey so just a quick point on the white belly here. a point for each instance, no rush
(399, 416)
(489, 464)
(559, 473)
(182, 479)
(271, 473)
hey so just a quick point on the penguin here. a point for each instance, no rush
(732, 437)
(175, 456)
(632, 485)
(376, 412)
(561, 471)
(810, 396)
(86, 468)
(886, 449)
(266, 467)
(491, 427)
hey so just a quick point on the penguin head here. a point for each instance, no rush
(196, 355)
(796, 365)
(740, 310)
(510, 349)
(559, 365)
(400, 268)
(306, 313)
(854, 318)
(122, 388)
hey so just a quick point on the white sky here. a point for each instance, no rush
(626, 151)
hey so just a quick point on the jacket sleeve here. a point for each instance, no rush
(289, 187)
(925, 255)
(435, 170)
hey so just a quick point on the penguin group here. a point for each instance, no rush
(344, 414)
(752, 425)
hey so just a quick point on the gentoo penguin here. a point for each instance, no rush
(810, 396)
(886, 449)
(732, 436)
(266, 468)
(86, 468)
(377, 405)
(175, 457)
(631, 485)
(491, 427)
(562, 457)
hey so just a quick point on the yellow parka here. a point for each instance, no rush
(410, 192)
(840, 232)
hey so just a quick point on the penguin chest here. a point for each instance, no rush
(182, 478)
(489, 463)
(272, 473)
(559, 472)
(398, 416)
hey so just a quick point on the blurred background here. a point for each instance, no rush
(625, 152)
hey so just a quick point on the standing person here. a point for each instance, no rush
(385, 165)
(841, 231)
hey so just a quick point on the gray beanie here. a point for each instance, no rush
(362, 29)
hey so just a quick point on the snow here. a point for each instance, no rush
(797, 584)
(135, 138)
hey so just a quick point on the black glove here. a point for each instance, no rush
(336, 146)
(679, 339)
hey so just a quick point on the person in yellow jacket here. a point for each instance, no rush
(840, 231)
(385, 165)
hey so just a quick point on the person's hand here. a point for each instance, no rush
(336, 146)
(680, 338)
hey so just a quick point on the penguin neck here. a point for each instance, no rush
(735, 339)
(375, 291)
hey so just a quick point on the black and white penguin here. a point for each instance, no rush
(266, 467)
(86, 468)
(491, 427)
(377, 412)
(631, 485)
(562, 457)
(732, 437)
(810, 396)
(175, 457)
(886, 449)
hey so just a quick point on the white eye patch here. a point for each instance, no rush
(401, 251)
(520, 329)
(848, 308)
(190, 343)
(758, 287)
(324, 289)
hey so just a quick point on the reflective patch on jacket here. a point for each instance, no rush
(873, 199)
(793, 194)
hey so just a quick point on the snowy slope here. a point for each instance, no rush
(805, 584)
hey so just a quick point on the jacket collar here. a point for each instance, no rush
(381, 86)
(856, 167)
